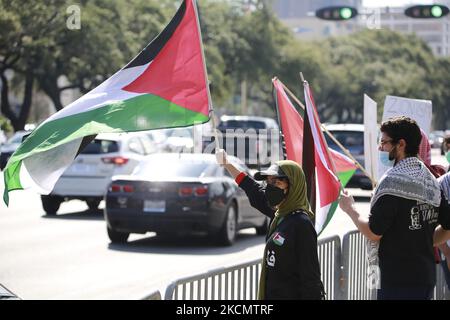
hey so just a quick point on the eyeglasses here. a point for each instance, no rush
(383, 142)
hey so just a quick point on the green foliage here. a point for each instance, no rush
(5, 124)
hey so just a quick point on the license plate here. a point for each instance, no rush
(154, 206)
(82, 168)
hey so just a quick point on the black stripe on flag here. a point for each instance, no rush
(309, 164)
(154, 47)
(86, 140)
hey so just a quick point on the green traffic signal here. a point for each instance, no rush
(336, 13)
(434, 11)
(345, 13)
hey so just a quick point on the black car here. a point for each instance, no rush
(180, 194)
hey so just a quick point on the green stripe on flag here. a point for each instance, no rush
(329, 215)
(345, 176)
(11, 176)
(143, 112)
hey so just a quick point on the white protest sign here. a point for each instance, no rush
(419, 110)
(370, 137)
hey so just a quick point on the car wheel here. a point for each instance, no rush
(50, 204)
(262, 230)
(227, 233)
(117, 236)
(93, 204)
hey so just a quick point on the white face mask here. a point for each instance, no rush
(384, 159)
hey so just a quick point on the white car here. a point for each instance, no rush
(91, 171)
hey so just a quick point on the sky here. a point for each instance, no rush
(394, 3)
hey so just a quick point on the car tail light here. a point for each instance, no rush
(185, 191)
(121, 188)
(115, 160)
(115, 188)
(201, 191)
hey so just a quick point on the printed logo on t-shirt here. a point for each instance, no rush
(270, 259)
(278, 239)
(426, 211)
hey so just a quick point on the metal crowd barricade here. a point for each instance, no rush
(329, 251)
(240, 282)
(355, 269)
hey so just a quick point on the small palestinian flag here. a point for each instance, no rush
(278, 239)
(164, 86)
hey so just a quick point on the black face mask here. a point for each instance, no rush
(274, 195)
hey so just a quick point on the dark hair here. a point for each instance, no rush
(447, 139)
(403, 128)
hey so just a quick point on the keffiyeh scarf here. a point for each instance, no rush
(409, 179)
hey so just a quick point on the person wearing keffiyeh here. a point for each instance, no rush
(404, 212)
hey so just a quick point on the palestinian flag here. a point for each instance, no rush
(293, 129)
(164, 86)
(321, 180)
(345, 167)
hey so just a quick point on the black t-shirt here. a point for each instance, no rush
(406, 254)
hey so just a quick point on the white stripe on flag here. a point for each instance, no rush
(107, 92)
(36, 173)
(321, 212)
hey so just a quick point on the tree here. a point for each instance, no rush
(379, 63)
(37, 45)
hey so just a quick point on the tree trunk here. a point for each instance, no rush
(50, 87)
(27, 99)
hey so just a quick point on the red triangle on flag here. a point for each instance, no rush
(177, 73)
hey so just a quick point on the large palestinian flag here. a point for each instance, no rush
(164, 86)
(321, 180)
(293, 129)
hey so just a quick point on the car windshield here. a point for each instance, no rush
(241, 124)
(98, 146)
(172, 168)
(348, 139)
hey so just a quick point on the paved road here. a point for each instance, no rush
(69, 256)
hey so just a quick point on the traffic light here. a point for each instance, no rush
(336, 13)
(432, 11)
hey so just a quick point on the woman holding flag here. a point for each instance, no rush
(290, 269)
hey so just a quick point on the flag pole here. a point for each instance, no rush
(211, 108)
